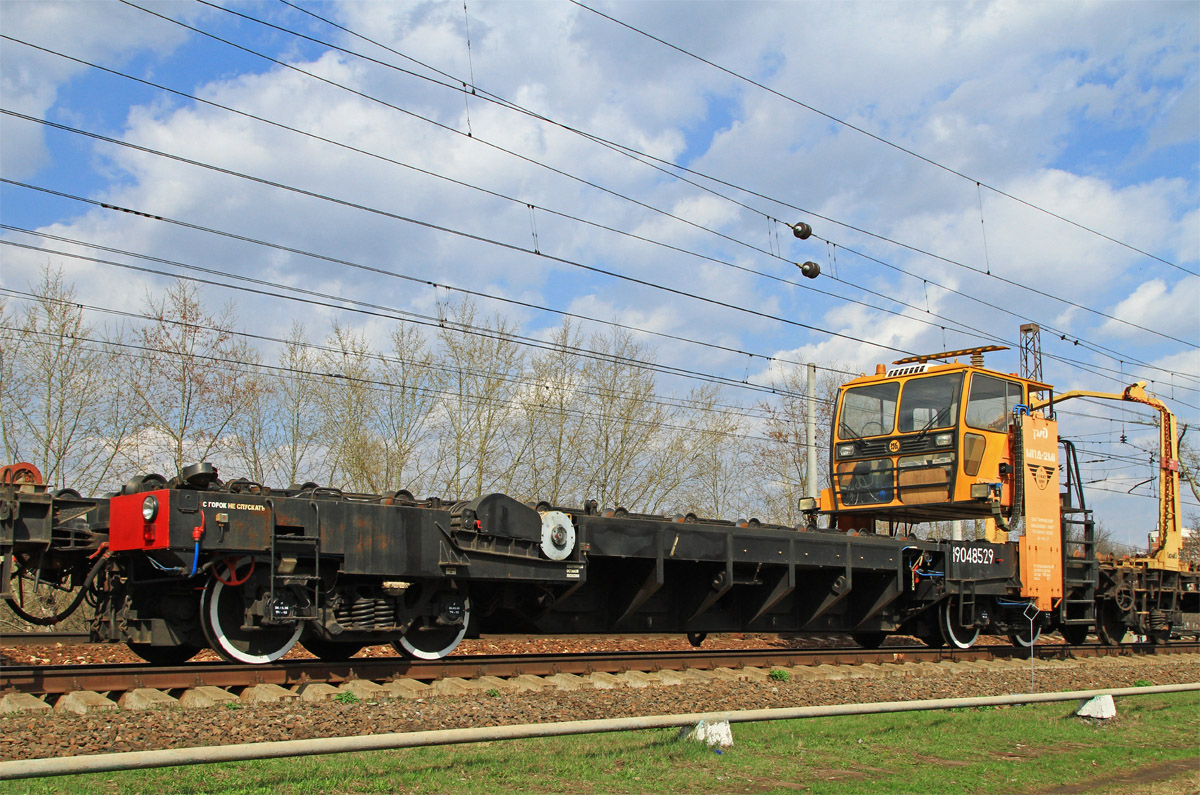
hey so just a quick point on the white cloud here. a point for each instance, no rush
(30, 80)
(995, 89)
(1172, 307)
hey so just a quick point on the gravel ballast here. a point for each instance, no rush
(53, 734)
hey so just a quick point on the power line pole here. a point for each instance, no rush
(1031, 351)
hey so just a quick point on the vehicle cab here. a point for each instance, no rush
(926, 441)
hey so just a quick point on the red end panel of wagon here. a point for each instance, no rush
(140, 521)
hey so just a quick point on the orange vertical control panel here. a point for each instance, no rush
(1041, 543)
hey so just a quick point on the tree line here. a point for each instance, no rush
(458, 410)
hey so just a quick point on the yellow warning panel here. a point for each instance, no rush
(1040, 546)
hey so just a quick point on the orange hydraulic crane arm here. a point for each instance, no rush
(1169, 543)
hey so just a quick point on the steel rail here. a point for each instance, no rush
(56, 680)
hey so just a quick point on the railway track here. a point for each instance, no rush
(115, 679)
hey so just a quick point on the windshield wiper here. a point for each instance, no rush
(931, 424)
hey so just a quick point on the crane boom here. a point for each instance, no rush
(1165, 553)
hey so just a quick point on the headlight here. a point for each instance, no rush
(943, 439)
(845, 450)
(150, 508)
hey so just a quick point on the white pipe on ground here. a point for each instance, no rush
(99, 763)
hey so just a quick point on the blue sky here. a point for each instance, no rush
(1088, 111)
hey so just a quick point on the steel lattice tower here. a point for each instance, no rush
(1031, 351)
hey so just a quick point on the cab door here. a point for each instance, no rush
(987, 435)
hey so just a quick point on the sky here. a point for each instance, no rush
(966, 167)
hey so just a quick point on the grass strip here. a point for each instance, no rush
(1027, 749)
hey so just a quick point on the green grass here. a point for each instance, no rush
(996, 750)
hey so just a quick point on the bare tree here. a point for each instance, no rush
(780, 464)
(296, 411)
(193, 380)
(1190, 554)
(621, 454)
(402, 414)
(58, 404)
(718, 451)
(480, 374)
(348, 398)
(251, 440)
(550, 423)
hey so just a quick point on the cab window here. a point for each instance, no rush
(991, 402)
(929, 403)
(868, 410)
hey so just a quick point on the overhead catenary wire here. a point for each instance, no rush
(449, 129)
(315, 298)
(638, 155)
(989, 337)
(345, 262)
(869, 305)
(434, 284)
(879, 138)
(966, 330)
(105, 346)
(737, 410)
(532, 160)
(461, 233)
(1063, 335)
(366, 307)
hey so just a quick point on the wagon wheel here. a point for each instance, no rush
(869, 640)
(331, 650)
(40, 597)
(954, 633)
(223, 615)
(1021, 639)
(1074, 635)
(427, 640)
(164, 655)
(1110, 624)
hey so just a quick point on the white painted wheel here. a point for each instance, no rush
(222, 611)
(954, 633)
(434, 643)
(1021, 639)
